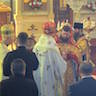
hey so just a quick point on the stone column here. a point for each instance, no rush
(50, 9)
(19, 7)
(18, 16)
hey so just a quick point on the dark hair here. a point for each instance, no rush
(67, 28)
(18, 66)
(22, 37)
(86, 69)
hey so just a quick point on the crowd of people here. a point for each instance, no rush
(43, 68)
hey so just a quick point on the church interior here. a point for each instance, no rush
(69, 15)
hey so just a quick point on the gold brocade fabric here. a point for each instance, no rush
(67, 49)
(68, 78)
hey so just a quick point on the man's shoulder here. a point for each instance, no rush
(83, 88)
(11, 52)
(75, 84)
(28, 80)
(19, 50)
(32, 54)
(84, 81)
(23, 80)
(4, 82)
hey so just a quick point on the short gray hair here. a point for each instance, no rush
(86, 68)
(18, 66)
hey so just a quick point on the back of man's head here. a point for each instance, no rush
(18, 67)
(22, 38)
(86, 69)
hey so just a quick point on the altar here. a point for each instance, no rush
(30, 16)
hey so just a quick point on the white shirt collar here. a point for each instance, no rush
(88, 76)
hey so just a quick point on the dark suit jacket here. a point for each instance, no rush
(85, 87)
(29, 58)
(18, 86)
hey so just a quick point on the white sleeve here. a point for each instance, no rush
(60, 65)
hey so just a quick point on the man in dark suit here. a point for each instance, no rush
(87, 85)
(21, 52)
(17, 84)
